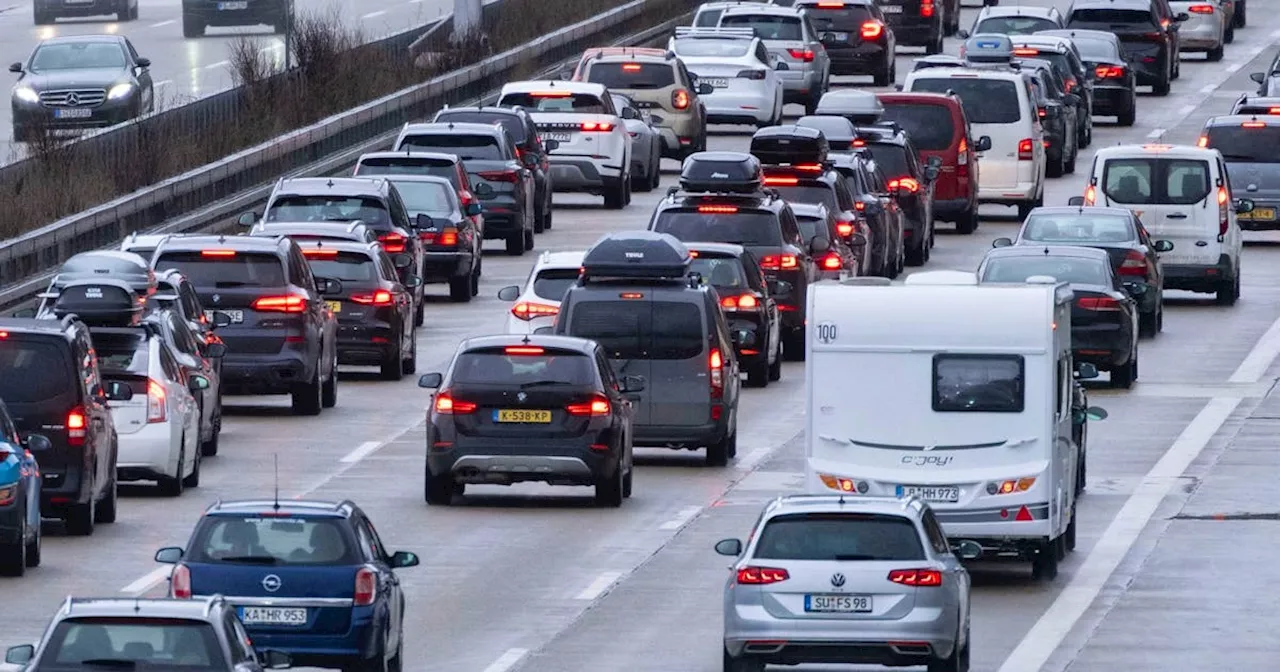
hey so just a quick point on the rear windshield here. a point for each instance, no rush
(467, 147)
(238, 270)
(430, 198)
(634, 76)
(703, 47)
(814, 226)
(371, 211)
(978, 383)
(552, 283)
(1111, 16)
(720, 272)
(814, 194)
(122, 353)
(891, 158)
(146, 252)
(767, 27)
(929, 126)
(759, 229)
(345, 267)
(1072, 229)
(834, 536)
(1014, 25)
(1253, 145)
(1167, 181)
(1076, 270)
(708, 18)
(641, 329)
(1094, 49)
(985, 101)
(512, 123)
(272, 541)
(496, 367)
(577, 103)
(133, 643)
(408, 167)
(35, 369)
(848, 19)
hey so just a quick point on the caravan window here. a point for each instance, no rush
(978, 383)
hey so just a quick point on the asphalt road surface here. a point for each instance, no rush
(535, 578)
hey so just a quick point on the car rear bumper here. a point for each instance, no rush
(362, 640)
(503, 461)
(444, 266)
(1015, 195)
(951, 209)
(1197, 278)
(61, 8)
(366, 344)
(266, 374)
(800, 83)
(914, 31)
(681, 436)
(147, 454)
(1104, 345)
(577, 173)
(62, 488)
(257, 12)
(1201, 33)
(752, 632)
(995, 526)
(739, 107)
(1112, 100)
(863, 58)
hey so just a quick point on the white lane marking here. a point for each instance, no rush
(597, 587)
(683, 516)
(215, 66)
(373, 15)
(164, 23)
(1155, 134)
(1206, 89)
(362, 451)
(1234, 67)
(1186, 110)
(507, 660)
(146, 582)
(1053, 626)
(751, 459)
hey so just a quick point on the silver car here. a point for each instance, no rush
(788, 35)
(846, 579)
(646, 143)
(1205, 28)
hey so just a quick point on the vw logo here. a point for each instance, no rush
(837, 579)
(217, 298)
(271, 583)
(73, 99)
(520, 397)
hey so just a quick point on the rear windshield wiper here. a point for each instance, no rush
(542, 383)
(122, 663)
(252, 559)
(233, 283)
(843, 558)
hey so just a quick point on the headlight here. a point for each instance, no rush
(26, 94)
(120, 91)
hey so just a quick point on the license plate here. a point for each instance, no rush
(837, 604)
(521, 415)
(73, 113)
(836, 37)
(273, 616)
(237, 316)
(931, 493)
(718, 82)
(891, 9)
(1258, 215)
(223, 6)
(559, 137)
(335, 306)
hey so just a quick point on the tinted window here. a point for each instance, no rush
(1129, 181)
(581, 103)
(632, 75)
(892, 159)
(264, 540)
(77, 56)
(678, 332)
(767, 27)
(467, 147)
(742, 228)
(495, 367)
(1106, 15)
(978, 383)
(813, 226)
(929, 126)
(1095, 49)
(1014, 25)
(708, 18)
(640, 330)
(35, 369)
(985, 101)
(1255, 145)
(839, 537)
(1186, 181)
(1074, 229)
(371, 211)
(815, 194)
(240, 270)
(431, 198)
(512, 123)
(345, 266)
(1060, 63)
(408, 167)
(1075, 270)
(702, 47)
(122, 353)
(849, 19)
(551, 284)
(720, 272)
(150, 643)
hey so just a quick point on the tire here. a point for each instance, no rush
(615, 194)
(935, 46)
(1069, 537)
(1241, 20)
(655, 178)
(758, 373)
(1044, 567)
(528, 239)
(210, 448)
(539, 221)
(1216, 54)
(41, 18)
(1229, 292)
(1148, 323)
(883, 78)
(391, 366)
(1069, 167)
(460, 289)
(718, 452)
(627, 484)
(1025, 209)
(515, 244)
(1056, 168)
(968, 222)
(438, 490)
(475, 283)
(34, 550)
(409, 365)
(609, 491)
(958, 661)
(775, 369)
(106, 510)
(1230, 35)
(307, 396)
(793, 345)
(732, 664)
(329, 389)
(1161, 88)
(193, 480)
(1123, 377)
(192, 26)
(1129, 117)
(80, 518)
(173, 486)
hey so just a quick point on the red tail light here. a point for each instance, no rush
(631, 67)
(217, 253)
(366, 587)
(1224, 221)
(779, 262)
(447, 405)
(526, 350)
(157, 401)
(393, 243)
(1025, 147)
(926, 9)
(76, 423)
(291, 303)
(1042, 112)
(1253, 124)
(845, 228)
(832, 262)
(597, 126)
(501, 176)
(805, 55)
(180, 582)
(379, 298)
(1200, 9)
(916, 577)
(1109, 71)
(760, 576)
(527, 310)
(715, 366)
(906, 183)
(680, 99)
(319, 253)
(781, 181)
(859, 206)
(1099, 303)
(1134, 264)
(718, 209)
(597, 407)
(830, 5)
(1026, 51)
(447, 236)
(872, 30)
(743, 302)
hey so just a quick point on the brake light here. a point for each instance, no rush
(680, 99)
(1091, 195)
(905, 183)
(551, 94)
(858, 142)
(743, 302)
(1109, 71)
(1099, 303)
(830, 5)
(290, 303)
(1253, 124)
(217, 253)
(523, 350)
(366, 587)
(1042, 112)
(1025, 147)
(1202, 141)
(872, 30)
(379, 298)
(527, 310)
(759, 576)
(721, 209)
(1273, 110)
(832, 262)
(76, 427)
(776, 262)
(156, 397)
(180, 582)
(597, 126)
(926, 9)
(845, 229)
(1026, 51)
(805, 55)
(319, 253)
(447, 405)
(393, 243)
(781, 181)
(1200, 9)
(715, 366)
(448, 236)
(631, 67)
(753, 74)
(597, 407)
(1134, 264)
(1224, 221)
(916, 577)
(500, 176)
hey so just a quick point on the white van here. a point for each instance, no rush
(998, 103)
(1181, 194)
(977, 419)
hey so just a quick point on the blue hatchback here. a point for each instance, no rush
(308, 578)
(19, 497)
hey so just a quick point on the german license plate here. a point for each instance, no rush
(717, 82)
(273, 616)
(931, 493)
(224, 6)
(335, 306)
(236, 316)
(521, 415)
(891, 9)
(836, 37)
(559, 137)
(1259, 215)
(837, 604)
(73, 113)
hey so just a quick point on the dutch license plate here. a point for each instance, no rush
(73, 113)
(1258, 215)
(931, 493)
(273, 616)
(559, 137)
(891, 9)
(718, 82)
(335, 306)
(237, 316)
(521, 415)
(837, 604)
(224, 6)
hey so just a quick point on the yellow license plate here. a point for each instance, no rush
(521, 415)
(1259, 214)
(335, 306)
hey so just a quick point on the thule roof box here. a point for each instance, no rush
(104, 302)
(838, 130)
(721, 172)
(939, 61)
(988, 48)
(793, 145)
(127, 267)
(856, 105)
(636, 255)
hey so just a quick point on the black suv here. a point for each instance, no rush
(857, 37)
(50, 381)
(1147, 29)
(908, 181)
(280, 335)
(721, 199)
(746, 298)
(877, 211)
(1058, 116)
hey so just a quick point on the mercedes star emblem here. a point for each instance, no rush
(217, 298)
(73, 99)
(521, 397)
(837, 579)
(271, 583)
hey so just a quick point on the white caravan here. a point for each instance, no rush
(956, 392)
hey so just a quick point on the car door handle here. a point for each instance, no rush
(1176, 215)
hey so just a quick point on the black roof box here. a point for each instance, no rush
(721, 172)
(782, 145)
(640, 255)
(100, 303)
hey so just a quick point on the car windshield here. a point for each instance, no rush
(467, 147)
(512, 123)
(371, 211)
(225, 270)
(344, 266)
(985, 100)
(122, 352)
(555, 101)
(1014, 25)
(839, 536)
(408, 167)
(133, 642)
(847, 19)
(1246, 144)
(552, 283)
(1076, 270)
(760, 229)
(631, 75)
(695, 47)
(35, 369)
(273, 539)
(78, 56)
(431, 198)
(928, 125)
(812, 194)
(1073, 228)
(494, 366)
(720, 272)
(891, 158)
(767, 26)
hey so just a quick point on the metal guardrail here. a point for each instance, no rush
(212, 195)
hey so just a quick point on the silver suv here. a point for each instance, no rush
(788, 34)
(846, 579)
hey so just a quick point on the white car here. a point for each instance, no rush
(736, 63)
(142, 245)
(1205, 28)
(159, 428)
(538, 303)
(594, 154)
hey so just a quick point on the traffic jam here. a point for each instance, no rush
(626, 293)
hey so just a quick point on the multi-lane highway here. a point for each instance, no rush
(538, 579)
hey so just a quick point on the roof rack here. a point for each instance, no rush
(715, 32)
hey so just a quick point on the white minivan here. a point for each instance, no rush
(1182, 194)
(999, 104)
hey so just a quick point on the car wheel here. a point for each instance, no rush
(958, 661)
(1229, 291)
(42, 18)
(1229, 35)
(1069, 538)
(935, 45)
(758, 373)
(439, 490)
(80, 518)
(1070, 166)
(105, 511)
(1161, 88)
(1214, 55)
(306, 396)
(1122, 376)
(460, 288)
(33, 549)
(192, 26)
(609, 490)
(475, 281)
(968, 222)
(1241, 20)
(515, 243)
(627, 483)
(615, 193)
(528, 239)
(13, 555)
(732, 664)
(1130, 116)
(793, 345)
(1148, 323)
(329, 390)
(775, 369)
(409, 365)
(391, 363)
(718, 453)
(172, 486)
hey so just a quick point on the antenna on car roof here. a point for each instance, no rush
(525, 340)
(1046, 250)
(275, 459)
(137, 606)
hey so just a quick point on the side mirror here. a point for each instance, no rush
(963, 34)
(705, 89)
(430, 381)
(215, 350)
(983, 144)
(819, 244)
(328, 286)
(629, 113)
(968, 550)
(730, 547)
(197, 383)
(931, 173)
(117, 391)
(473, 209)
(401, 559)
(1086, 371)
(483, 190)
(1096, 413)
(37, 443)
(1002, 242)
(632, 384)
(934, 162)
(1258, 77)
(421, 221)
(169, 555)
(276, 660)
(858, 240)
(402, 261)
(780, 287)
(551, 145)
(509, 293)
(248, 219)
(1135, 289)
(16, 67)
(19, 655)
(1163, 245)
(1243, 206)
(1075, 200)
(221, 319)
(144, 62)
(781, 65)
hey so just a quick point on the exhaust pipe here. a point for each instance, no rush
(911, 648)
(764, 647)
